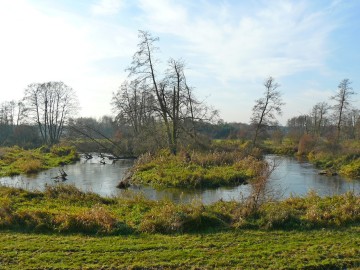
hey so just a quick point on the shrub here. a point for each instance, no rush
(72, 194)
(6, 212)
(333, 211)
(279, 216)
(36, 220)
(29, 166)
(352, 169)
(306, 144)
(168, 217)
(61, 150)
(94, 220)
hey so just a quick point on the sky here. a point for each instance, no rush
(230, 47)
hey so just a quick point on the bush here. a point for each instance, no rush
(168, 217)
(352, 169)
(306, 144)
(70, 193)
(279, 216)
(61, 151)
(95, 220)
(29, 166)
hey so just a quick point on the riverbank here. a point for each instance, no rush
(333, 158)
(65, 228)
(15, 160)
(65, 209)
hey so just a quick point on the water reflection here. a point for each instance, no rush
(291, 177)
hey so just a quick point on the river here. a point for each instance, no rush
(291, 177)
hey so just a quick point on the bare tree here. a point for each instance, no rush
(166, 97)
(133, 106)
(50, 104)
(318, 115)
(266, 108)
(342, 99)
(298, 125)
(351, 120)
(12, 114)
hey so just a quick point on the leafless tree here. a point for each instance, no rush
(342, 99)
(266, 108)
(12, 113)
(133, 105)
(318, 115)
(352, 121)
(162, 97)
(298, 125)
(50, 104)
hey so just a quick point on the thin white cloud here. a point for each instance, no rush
(281, 38)
(107, 7)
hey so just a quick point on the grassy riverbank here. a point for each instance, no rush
(341, 158)
(64, 209)
(15, 160)
(63, 228)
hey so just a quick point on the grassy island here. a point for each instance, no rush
(197, 169)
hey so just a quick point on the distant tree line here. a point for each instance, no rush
(335, 120)
(157, 108)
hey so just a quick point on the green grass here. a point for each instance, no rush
(197, 170)
(347, 165)
(15, 160)
(243, 249)
(64, 209)
(64, 228)
(286, 147)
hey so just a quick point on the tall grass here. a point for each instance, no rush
(51, 212)
(195, 169)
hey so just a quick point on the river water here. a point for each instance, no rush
(291, 177)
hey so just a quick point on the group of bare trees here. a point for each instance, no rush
(12, 115)
(49, 105)
(46, 105)
(336, 121)
(158, 103)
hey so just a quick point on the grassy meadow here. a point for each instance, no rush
(243, 249)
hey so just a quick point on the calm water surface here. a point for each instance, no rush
(291, 177)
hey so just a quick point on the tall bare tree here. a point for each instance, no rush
(171, 99)
(50, 104)
(266, 108)
(342, 99)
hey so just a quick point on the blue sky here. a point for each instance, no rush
(230, 47)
